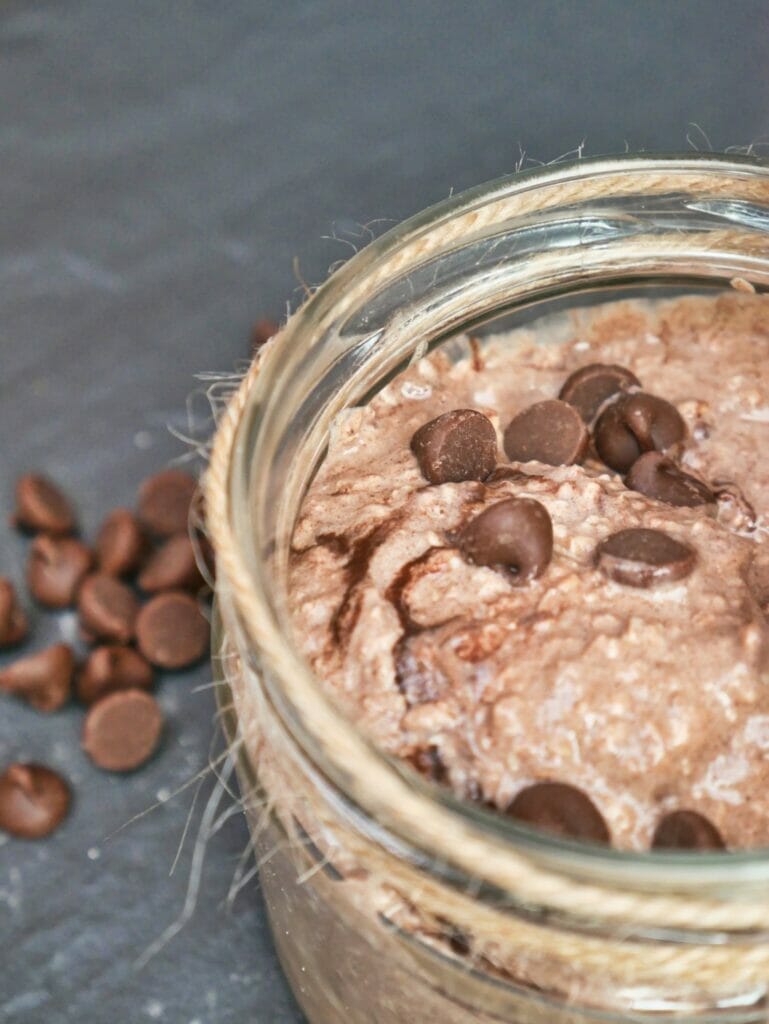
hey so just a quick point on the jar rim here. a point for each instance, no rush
(316, 711)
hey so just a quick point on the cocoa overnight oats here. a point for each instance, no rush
(538, 573)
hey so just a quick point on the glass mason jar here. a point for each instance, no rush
(391, 900)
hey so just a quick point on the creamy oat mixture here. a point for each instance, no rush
(647, 699)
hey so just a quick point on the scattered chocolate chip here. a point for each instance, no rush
(33, 800)
(686, 830)
(122, 730)
(41, 506)
(172, 567)
(165, 500)
(589, 387)
(111, 668)
(261, 333)
(43, 679)
(658, 477)
(515, 534)
(171, 630)
(561, 809)
(107, 608)
(459, 445)
(636, 424)
(644, 558)
(55, 569)
(121, 543)
(550, 432)
(14, 625)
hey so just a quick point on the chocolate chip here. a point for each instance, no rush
(121, 543)
(550, 432)
(41, 506)
(107, 608)
(111, 668)
(172, 567)
(459, 445)
(636, 424)
(165, 500)
(55, 569)
(14, 625)
(33, 800)
(43, 679)
(658, 477)
(561, 809)
(686, 830)
(589, 387)
(171, 630)
(122, 730)
(261, 333)
(515, 534)
(644, 558)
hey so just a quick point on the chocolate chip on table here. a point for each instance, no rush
(165, 500)
(590, 386)
(110, 668)
(261, 333)
(43, 679)
(121, 543)
(552, 432)
(41, 507)
(14, 624)
(171, 630)
(459, 445)
(107, 608)
(515, 534)
(55, 569)
(636, 424)
(560, 809)
(172, 567)
(659, 477)
(686, 830)
(644, 558)
(122, 730)
(33, 800)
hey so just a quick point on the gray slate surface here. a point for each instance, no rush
(161, 164)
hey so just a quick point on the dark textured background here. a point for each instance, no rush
(162, 163)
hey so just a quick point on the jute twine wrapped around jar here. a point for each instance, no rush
(594, 929)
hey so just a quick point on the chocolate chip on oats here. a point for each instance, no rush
(171, 630)
(107, 608)
(459, 445)
(686, 830)
(43, 680)
(589, 387)
(55, 569)
(636, 424)
(122, 730)
(644, 558)
(33, 800)
(172, 567)
(658, 477)
(41, 507)
(552, 432)
(560, 809)
(111, 668)
(165, 500)
(14, 625)
(515, 534)
(121, 543)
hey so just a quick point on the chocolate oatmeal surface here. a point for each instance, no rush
(636, 671)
